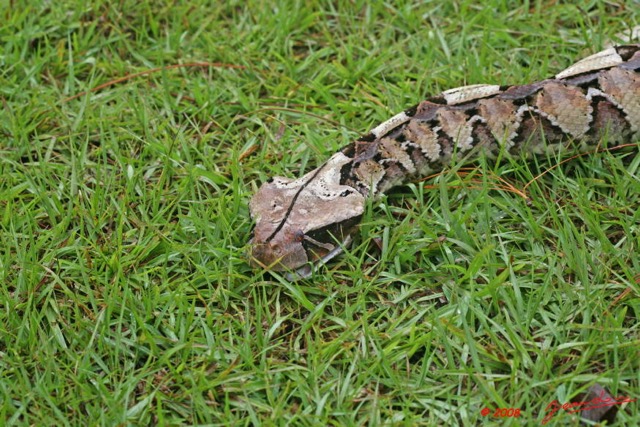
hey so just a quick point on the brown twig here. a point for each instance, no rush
(151, 71)
(506, 185)
(597, 150)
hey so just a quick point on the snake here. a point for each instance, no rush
(303, 223)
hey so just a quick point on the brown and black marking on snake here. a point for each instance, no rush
(308, 220)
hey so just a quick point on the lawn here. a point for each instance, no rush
(134, 133)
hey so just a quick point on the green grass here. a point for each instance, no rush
(126, 298)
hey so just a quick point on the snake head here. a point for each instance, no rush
(304, 222)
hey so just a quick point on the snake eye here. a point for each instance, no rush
(298, 236)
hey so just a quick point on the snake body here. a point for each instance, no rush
(306, 221)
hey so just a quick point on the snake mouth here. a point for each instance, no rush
(324, 244)
(297, 254)
(307, 270)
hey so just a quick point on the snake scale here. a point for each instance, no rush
(304, 222)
